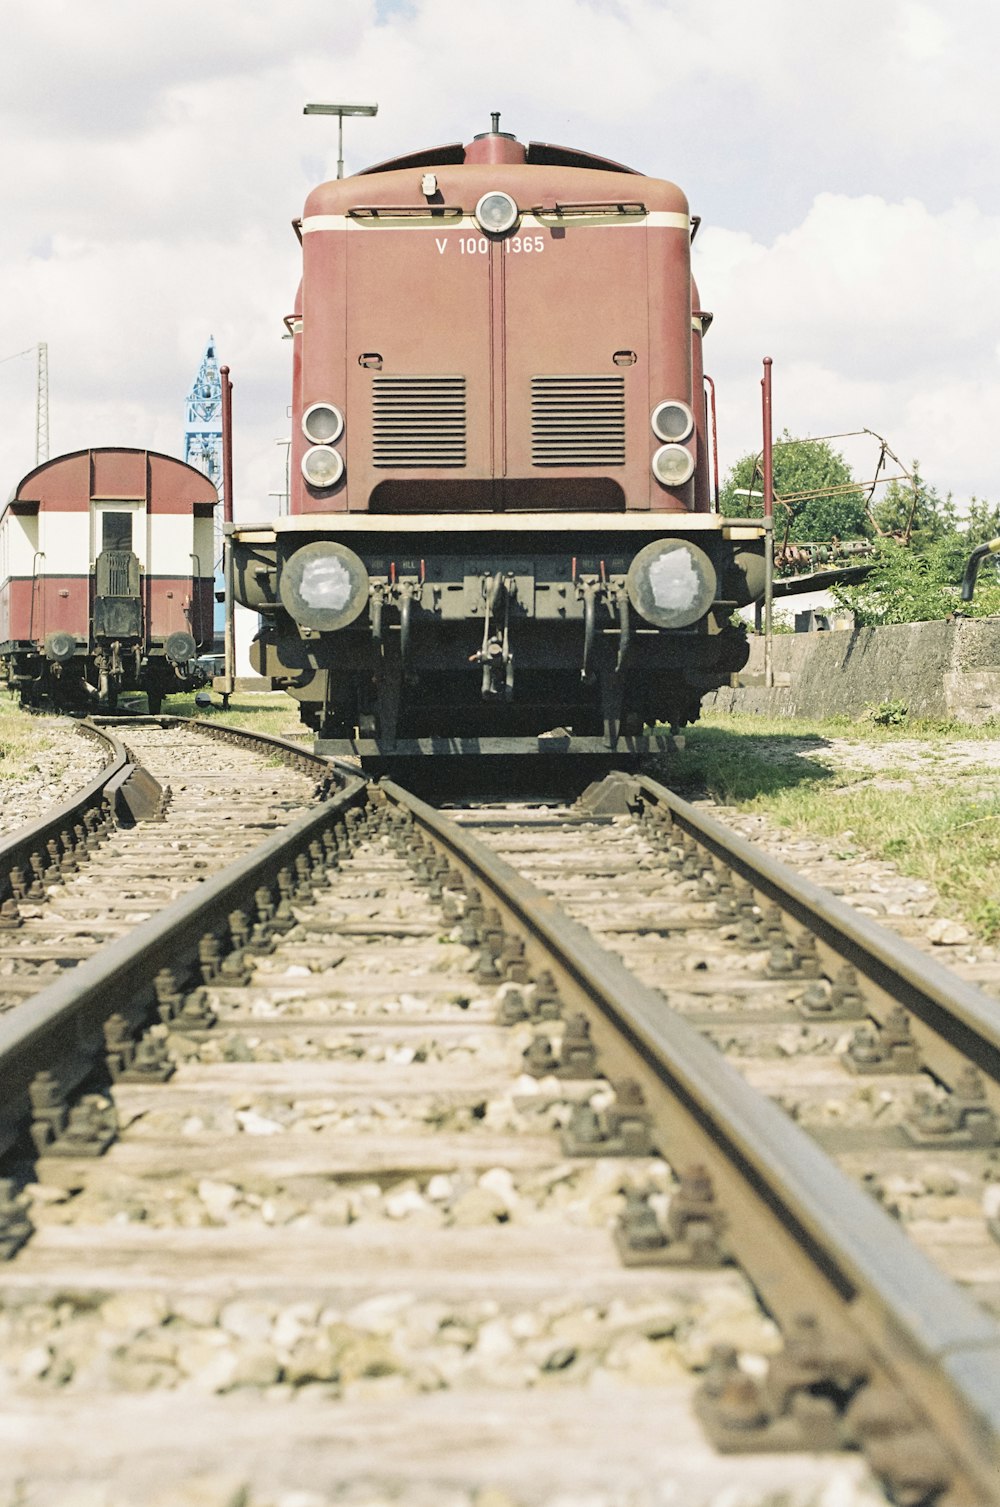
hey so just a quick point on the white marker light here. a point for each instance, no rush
(322, 467)
(496, 213)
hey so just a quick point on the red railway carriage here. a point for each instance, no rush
(500, 526)
(106, 577)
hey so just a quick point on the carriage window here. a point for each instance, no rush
(116, 530)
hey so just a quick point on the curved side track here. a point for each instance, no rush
(36, 847)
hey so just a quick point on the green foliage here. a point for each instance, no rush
(982, 522)
(915, 510)
(918, 584)
(889, 713)
(923, 544)
(801, 466)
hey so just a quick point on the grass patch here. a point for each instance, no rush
(935, 833)
(862, 728)
(22, 738)
(735, 767)
(270, 712)
(945, 831)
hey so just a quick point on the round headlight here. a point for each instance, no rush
(672, 420)
(496, 213)
(671, 583)
(323, 585)
(322, 467)
(673, 465)
(323, 424)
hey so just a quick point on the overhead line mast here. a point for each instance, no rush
(42, 405)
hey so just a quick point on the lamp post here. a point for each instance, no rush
(340, 111)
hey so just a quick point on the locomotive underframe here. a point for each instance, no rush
(501, 638)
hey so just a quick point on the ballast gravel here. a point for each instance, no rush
(47, 777)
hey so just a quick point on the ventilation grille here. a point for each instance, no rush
(117, 574)
(578, 421)
(418, 421)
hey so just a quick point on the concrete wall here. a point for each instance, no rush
(941, 670)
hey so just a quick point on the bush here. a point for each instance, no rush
(907, 585)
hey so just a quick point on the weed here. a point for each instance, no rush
(889, 713)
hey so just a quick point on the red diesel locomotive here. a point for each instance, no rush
(500, 534)
(106, 578)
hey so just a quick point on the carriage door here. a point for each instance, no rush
(117, 610)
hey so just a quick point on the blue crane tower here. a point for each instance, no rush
(203, 425)
(203, 447)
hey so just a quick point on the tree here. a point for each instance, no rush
(834, 506)
(915, 510)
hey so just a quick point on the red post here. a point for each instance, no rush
(768, 441)
(228, 682)
(227, 445)
(768, 522)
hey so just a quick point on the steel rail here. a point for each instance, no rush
(954, 1023)
(808, 1238)
(60, 1029)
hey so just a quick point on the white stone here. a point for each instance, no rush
(379, 1315)
(197, 1309)
(945, 933)
(292, 1323)
(247, 1319)
(218, 1198)
(252, 1123)
(47, 1193)
(199, 1351)
(256, 1366)
(440, 1188)
(133, 1312)
(494, 1341)
(500, 1180)
(400, 1205)
(34, 1363)
(479, 1206)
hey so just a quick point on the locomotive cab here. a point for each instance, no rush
(499, 526)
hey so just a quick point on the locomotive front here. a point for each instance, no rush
(499, 536)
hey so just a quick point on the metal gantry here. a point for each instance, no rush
(203, 421)
(203, 444)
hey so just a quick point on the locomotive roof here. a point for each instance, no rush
(539, 154)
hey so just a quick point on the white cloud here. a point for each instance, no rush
(877, 315)
(154, 155)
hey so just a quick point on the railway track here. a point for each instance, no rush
(389, 1142)
(166, 812)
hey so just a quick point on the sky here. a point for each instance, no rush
(843, 160)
